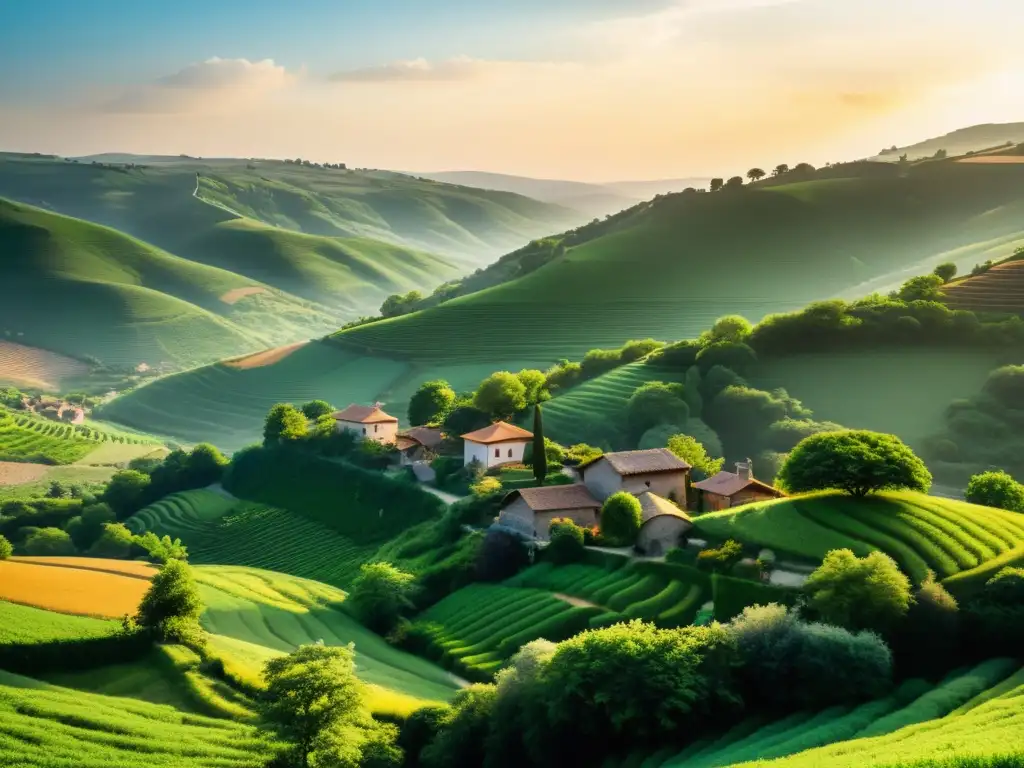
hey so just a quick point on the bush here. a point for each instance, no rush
(655, 403)
(315, 409)
(621, 518)
(462, 734)
(381, 595)
(689, 450)
(731, 595)
(49, 541)
(783, 436)
(6, 550)
(996, 489)
(1006, 386)
(856, 462)
(465, 418)
(567, 542)
(790, 664)
(431, 402)
(115, 542)
(502, 555)
(858, 593)
(737, 357)
(284, 423)
(126, 492)
(485, 486)
(722, 559)
(418, 730)
(501, 395)
(172, 594)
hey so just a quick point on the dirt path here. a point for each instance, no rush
(576, 601)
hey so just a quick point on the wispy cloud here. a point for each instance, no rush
(415, 70)
(215, 82)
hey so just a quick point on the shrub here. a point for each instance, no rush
(418, 730)
(380, 595)
(431, 402)
(1006, 386)
(485, 486)
(126, 492)
(731, 595)
(996, 489)
(172, 594)
(284, 423)
(733, 329)
(621, 518)
(945, 272)
(316, 409)
(567, 541)
(49, 541)
(655, 403)
(790, 664)
(857, 462)
(6, 550)
(501, 395)
(115, 542)
(465, 418)
(858, 593)
(721, 559)
(732, 355)
(786, 434)
(501, 556)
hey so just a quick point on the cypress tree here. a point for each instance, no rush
(540, 458)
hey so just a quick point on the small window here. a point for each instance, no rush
(510, 453)
(376, 426)
(648, 483)
(364, 430)
(497, 453)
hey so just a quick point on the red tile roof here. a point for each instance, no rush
(730, 483)
(364, 414)
(500, 432)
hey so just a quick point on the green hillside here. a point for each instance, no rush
(86, 290)
(920, 532)
(668, 268)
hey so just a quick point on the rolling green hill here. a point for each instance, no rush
(89, 291)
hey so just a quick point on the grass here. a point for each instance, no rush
(257, 614)
(921, 532)
(912, 716)
(48, 726)
(70, 590)
(219, 531)
(43, 474)
(24, 624)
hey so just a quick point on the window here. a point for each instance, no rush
(648, 483)
(510, 453)
(497, 453)
(364, 430)
(375, 426)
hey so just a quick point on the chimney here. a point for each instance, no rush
(745, 470)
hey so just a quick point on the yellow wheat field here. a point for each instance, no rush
(131, 568)
(70, 590)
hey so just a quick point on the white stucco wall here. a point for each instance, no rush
(386, 432)
(495, 454)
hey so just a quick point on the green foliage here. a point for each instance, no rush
(172, 597)
(784, 435)
(316, 409)
(921, 288)
(996, 489)
(720, 559)
(312, 699)
(927, 641)
(381, 595)
(621, 518)
(502, 555)
(501, 395)
(868, 593)
(857, 462)
(689, 450)
(284, 422)
(465, 418)
(731, 595)
(126, 492)
(485, 486)
(399, 304)
(945, 271)
(655, 403)
(733, 355)
(115, 542)
(1006, 386)
(49, 541)
(540, 456)
(566, 542)
(789, 664)
(995, 616)
(733, 329)
(431, 402)
(536, 385)
(6, 550)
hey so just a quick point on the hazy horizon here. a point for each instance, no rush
(590, 90)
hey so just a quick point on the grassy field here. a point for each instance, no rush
(70, 589)
(219, 531)
(921, 532)
(32, 368)
(258, 614)
(49, 726)
(973, 707)
(25, 624)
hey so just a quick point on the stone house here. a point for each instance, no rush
(730, 489)
(498, 444)
(369, 422)
(529, 511)
(664, 525)
(657, 470)
(418, 444)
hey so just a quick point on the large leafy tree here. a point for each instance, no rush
(756, 174)
(380, 595)
(996, 489)
(621, 518)
(689, 450)
(431, 402)
(126, 492)
(172, 594)
(858, 593)
(501, 395)
(536, 385)
(314, 409)
(205, 465)
(921, 288)
(284, 422)
(312, 696)
(855, 461)
(946, 271)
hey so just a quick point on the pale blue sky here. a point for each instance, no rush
(589, 89)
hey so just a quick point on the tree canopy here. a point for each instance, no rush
(855, 461)
(996, 489)
(125, 492)
(380, 595)
(858, 593)
(945, 272)
(655, 403)
(284, 422)
(501, 395)
(689, 450)
(172, 594)
(431, 402)
(314, 409)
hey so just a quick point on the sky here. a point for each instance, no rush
(593, 90)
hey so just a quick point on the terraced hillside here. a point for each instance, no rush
(669, 268)
(85, 290)
(973, 711)
(220, 531)
(32, 368)
(477, 628)
(999, 290)
(921, 532)
(257, 614)
(30, 438)
(56, 727)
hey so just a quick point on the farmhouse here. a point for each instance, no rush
(368, 421)
(529, 511)
(730, 489)
(645, 474)
(657, 470)
(418, 444)
(495, 445)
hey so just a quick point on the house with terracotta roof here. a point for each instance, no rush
(657, 470)
(498, 444)
(368, 421)
(730, 489)
(418, 444)
(529, 511)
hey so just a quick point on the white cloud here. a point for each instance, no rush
(212, 84)
(417, 70)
